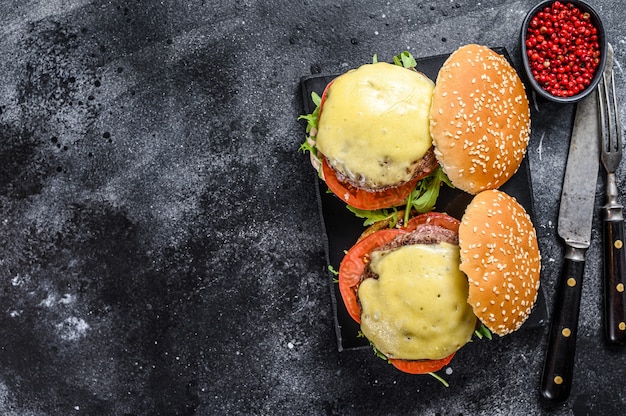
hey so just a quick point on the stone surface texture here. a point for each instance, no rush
(162, 250)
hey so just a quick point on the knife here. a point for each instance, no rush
(574, 227)
(614, 250)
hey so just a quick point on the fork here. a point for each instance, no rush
(614, 248)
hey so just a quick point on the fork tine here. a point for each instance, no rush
(618, 128)
(602, 101)
(611, 132)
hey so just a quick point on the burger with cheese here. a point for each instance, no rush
(382, 129)
(369, 136)
(419, 290)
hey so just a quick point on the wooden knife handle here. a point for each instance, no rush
(614, 283)
(558, 368)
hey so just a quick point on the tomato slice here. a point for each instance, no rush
(353, 265)
(368, 200)
(323, 98)
(434, 218)
(421, 366)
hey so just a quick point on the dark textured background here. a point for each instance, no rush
(162, 251)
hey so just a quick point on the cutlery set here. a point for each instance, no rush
(596, 139)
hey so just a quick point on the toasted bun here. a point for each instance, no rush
(479, 119)
(500, 256)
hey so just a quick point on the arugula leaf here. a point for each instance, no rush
(421, 199)
(424, 197)
(311, 129)
(440, 379)
(317, 100)
(405, 59)
(379, 354)
(372, 217)
(306, 147)
(313, 118)
(376, 350)
(483, 332)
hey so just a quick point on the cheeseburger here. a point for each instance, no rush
(381, 128)
(371, 142)
(421, 289)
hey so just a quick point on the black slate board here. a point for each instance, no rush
(342, 227)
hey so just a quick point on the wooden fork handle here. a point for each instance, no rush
(614, 276)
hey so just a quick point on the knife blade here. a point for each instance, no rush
(574, 227)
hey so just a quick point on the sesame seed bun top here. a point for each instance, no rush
(500, 256)
(479, 119)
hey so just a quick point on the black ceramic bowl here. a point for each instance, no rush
(594, 18)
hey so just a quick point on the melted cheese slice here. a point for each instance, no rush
(374, 126)
(417, 308)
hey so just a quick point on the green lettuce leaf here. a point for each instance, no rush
(312, 118)
(372, 217)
